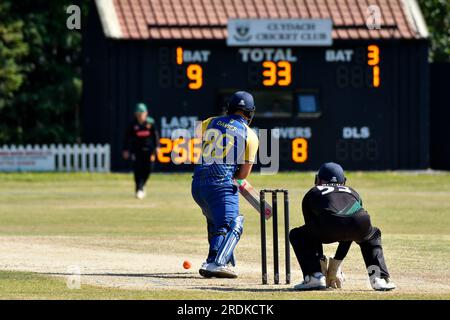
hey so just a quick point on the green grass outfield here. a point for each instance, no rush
(98, 211)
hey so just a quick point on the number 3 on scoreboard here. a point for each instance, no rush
(299, 150)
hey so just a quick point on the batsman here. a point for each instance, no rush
(333, 212)
(229, 149)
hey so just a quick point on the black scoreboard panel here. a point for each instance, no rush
(361, 103)
(326, 103)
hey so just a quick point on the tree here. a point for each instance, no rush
(42, 102)
(437, 17)
(12, 71)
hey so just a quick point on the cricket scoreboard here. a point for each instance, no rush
(338, 103)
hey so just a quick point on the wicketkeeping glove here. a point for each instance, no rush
(335, 277)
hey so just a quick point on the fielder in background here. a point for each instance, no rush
(140, 144)
(334, 213)
(229, 149)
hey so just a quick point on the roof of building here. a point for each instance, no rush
(207, 19)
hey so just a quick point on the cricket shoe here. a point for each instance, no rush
(213, 270)
(203, 270)
(140, 194)
(380, 284)
(312, 282)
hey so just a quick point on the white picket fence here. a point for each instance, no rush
(68, 158)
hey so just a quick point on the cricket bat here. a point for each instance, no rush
(252, 196)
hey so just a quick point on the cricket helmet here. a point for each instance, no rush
(242, 100)
(332, 173)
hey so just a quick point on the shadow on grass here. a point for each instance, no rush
(230, 289)
(280, 290)
(178, 275)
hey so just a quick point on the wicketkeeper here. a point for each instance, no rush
(333, 212)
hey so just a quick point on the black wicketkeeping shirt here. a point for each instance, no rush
(325, 200)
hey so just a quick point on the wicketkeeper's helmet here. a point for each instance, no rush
(331, 172)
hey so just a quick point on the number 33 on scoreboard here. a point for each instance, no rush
(277, 73)
(299, 150)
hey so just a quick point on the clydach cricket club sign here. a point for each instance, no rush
(279, 32)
